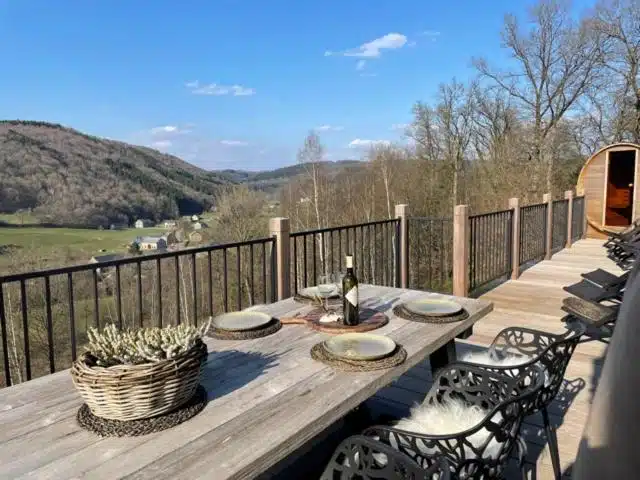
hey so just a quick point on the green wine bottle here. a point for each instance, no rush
(350, 295)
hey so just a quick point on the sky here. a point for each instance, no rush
(239, 83)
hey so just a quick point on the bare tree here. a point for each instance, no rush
(554, 63)
(618, 25)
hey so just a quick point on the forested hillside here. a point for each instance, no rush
(67, 177)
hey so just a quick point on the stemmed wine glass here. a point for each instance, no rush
(328, 286)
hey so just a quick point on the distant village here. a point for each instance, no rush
(180, 234)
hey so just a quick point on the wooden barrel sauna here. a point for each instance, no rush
(607, 181)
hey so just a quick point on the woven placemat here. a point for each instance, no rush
(320, 353)
(105, 427)
(401, 312)
(270, 328)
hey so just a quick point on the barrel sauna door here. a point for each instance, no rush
(620, 184)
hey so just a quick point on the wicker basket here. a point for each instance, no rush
(130, 392)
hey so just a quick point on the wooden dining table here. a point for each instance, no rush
(266, 398)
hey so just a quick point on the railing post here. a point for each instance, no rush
(514, 204)
(402, 212)
(461, 251)
(279, 228)
(548, 245)
(569, 196)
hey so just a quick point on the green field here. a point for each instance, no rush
(84, 239)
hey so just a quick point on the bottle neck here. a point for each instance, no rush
(349, 263)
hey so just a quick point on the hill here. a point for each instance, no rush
(70, 178)
(272, 180)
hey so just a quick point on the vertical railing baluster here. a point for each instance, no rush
(340, 249)
(295, 264)
(47, 305)
(118, 297)
(159, 292)
(331, 250)
(194, 285)
(72, 317)
(313, 246)
(3, 330)
(238, 279)
(210, 290)
(251, 274)
(225, 280)
(25, 328)
(264, 272)
(96, 301)
(139, 285)
(304, 255)
(178, 303)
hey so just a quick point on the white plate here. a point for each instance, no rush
(433, 307)
(360, 346)
(312, 292)
(236, 321)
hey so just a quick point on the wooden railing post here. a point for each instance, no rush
(514, 203)
(569, 196)
(402, 212)
(548, 245)
(279, 228)
(461, 234)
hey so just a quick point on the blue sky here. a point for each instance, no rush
(238, 83)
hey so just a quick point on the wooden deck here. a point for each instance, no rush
(534, 300)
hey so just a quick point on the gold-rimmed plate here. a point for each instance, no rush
(239, 321)
(360, 346)
(433, 307)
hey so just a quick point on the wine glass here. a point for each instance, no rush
(327, 285)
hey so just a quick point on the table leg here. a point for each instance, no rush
(443, 356)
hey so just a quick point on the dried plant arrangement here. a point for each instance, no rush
(111, 346)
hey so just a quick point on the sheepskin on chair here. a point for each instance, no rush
(491, 358)
(450, 418)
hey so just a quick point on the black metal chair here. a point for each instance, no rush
(553, 353)
(604, 279)
(363, 458)
(590, 313)
(483, 451)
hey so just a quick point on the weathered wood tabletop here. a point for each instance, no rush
(267, 397)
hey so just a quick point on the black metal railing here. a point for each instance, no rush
(45, 315)
(559, 225)
(490, 253)
(374, 246)
(577, 219)
(533, 232)
(430, 254)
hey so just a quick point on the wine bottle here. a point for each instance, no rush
(350, 295)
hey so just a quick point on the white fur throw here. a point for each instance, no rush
(448, 419)
(489, 358)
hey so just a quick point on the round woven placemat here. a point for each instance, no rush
(105, 427)
(401, 312)
(272, 327)
(320, 353)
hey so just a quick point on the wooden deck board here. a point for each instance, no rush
(533, 300)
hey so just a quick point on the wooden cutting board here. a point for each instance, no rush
(369, 320)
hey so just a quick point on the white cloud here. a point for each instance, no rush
(218, 89)
(329, 128)
(399, 126)
(361, 143)
(366, 74)
(374, 48)
(162, 144)
(360, 65)
(430, 33)
(168, 130)
(234, 143)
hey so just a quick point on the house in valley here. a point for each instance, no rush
(151, 243)
(143, 223)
